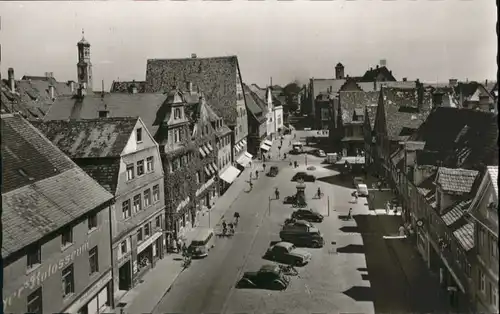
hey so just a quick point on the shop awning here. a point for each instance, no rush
(207, 171)
(249, 155)
(210, 146)
(202, 152)
(265, 147)
(243, 142)
(229, 174)
(207, 151)
(214, 166)
(243, 160)
(268, 143)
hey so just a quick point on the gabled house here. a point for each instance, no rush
(317, 87)
(399, 114)
(227, 173)
(473, 95)
(274, 99)
(132, 87)
(484, 216)
(380, 73)
(439, 176)
(348, 131)
(56, 245)
(257, 122)
(166, 118)
(220, 80)
(123, 157)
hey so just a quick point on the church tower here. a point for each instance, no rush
(84, 65)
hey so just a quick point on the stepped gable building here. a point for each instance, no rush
(56, 247)
(123, 157)
(220, 80)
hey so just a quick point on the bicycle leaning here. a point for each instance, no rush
(289, 270)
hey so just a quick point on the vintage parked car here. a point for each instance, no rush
(267, 277)
(290, 199)
(320, 153)
(301, 233)
(288, 253)
(307, 214)
(273, 171)
(304, 176)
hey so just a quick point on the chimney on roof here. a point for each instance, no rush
(374, 84)
(189, 86)
(193, 56)
(51, 92)
(486, 83)
(453, 82)
(405, 79)
(377, 66)
(12, 82)
(420, 94)
(331, 89)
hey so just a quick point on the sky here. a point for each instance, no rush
(293, 40)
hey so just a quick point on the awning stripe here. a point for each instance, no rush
(230, 174)
(202, 152)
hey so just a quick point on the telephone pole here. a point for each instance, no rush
(269, 206)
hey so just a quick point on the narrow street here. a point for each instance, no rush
(340, 276)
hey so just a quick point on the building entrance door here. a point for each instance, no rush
(124, 276)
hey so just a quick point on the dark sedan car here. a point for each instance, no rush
(288, 253)
(304, 176)
(308, 215)
(267, 277)
(273, 171)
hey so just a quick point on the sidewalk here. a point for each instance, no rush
(144, 297)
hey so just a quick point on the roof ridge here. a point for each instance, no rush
(189, 58)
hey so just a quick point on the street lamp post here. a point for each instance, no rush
(269, 206)
(306, 158)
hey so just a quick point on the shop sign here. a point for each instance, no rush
(38, 277)
(85, 298)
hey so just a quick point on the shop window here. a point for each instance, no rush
(177, 113)
(149, 164)
(139, 235)
(158, 222)
(197, 177)
(137, 203)
(68, 281)
(147, 198)
(34, 257)
(140, 167)
(92, 222)
(126, 209)
(176, 136)
(34, 302)
(147, 230)
(139, 135)
(67, 237)
(94, 260)
(130, 172)
(156, 193)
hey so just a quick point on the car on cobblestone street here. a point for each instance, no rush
(288, 253)
(304, 176)
(307, 214)
(268, 276)
(320, 153)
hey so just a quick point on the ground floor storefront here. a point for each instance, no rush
(96, 299)
(227, 177)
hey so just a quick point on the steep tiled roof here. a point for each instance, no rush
(465, 236)
(93, 138)
(456, 180)
(216, 77)
(127, 86)
(456, 212)
(145, 106)
(255, 106)
(493, 173)
(349, 101)
(323, 85)
(403, 111)
(42, 189)
(478, 132)
(372, 74)
(376, 86)
(32, 98)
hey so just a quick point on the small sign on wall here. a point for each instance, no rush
(134, 267)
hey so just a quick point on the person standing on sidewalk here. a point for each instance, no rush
(387, 207)
(349, 215)
(264, 167)
(179, 245)
(256, 174)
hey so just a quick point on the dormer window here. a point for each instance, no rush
(177, 113)
(205, 129)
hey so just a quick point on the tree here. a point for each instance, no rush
(291, 92)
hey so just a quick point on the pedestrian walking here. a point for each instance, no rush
(355, 195)
(387, 207)
(257, 174)
(251, 185)
(184, 249)
(264, 166)
(349, 214)
(179, 245)
(401, 231)
(277, 193)
(263, 158)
